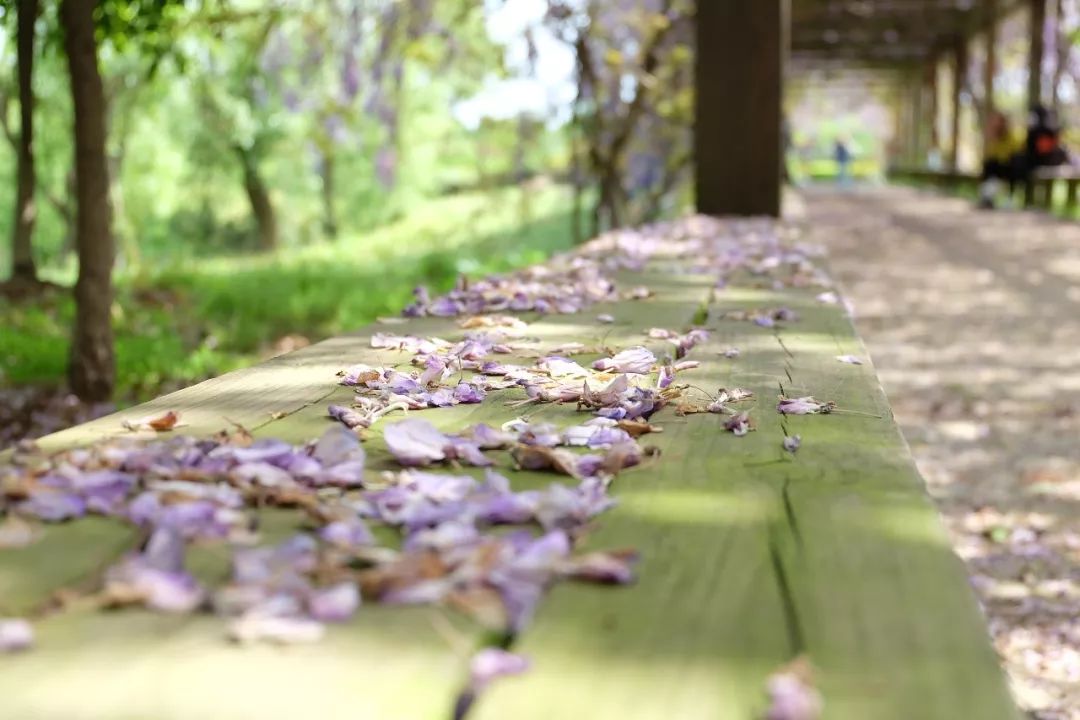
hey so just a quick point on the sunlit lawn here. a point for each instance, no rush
(204, 317)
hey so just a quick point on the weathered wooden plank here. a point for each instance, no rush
(389, 665)
(750, 557)
(837, 549)
(882, 601)
(704, 625)
(412, 661)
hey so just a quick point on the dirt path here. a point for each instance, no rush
(973, 322)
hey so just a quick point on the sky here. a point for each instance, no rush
(548, 93)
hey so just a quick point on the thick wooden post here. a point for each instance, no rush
(933, 110)
(742, 45)
(990, 68)
(917, 92)
(1035, 52)
(960, 64)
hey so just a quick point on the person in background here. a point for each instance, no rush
(1044, 148)
(1002, 160)
(842, 155)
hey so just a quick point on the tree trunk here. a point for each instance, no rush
(22, 264)
(262, 208)
(92, 368)
(578, 184)
(326, 174)
(1062, 46)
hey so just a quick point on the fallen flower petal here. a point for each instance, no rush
(792, 695)
(16, 635)
(637, 428)
(159, 423)
(638, 360)
(255, 627)
(337, 445)
(849, 359)
(334, 604)
(17, 533)
(792, 443)
(556, 367)
(488, 438)
(347, 534)
(52, 506)
(348, 417)
(415, 442)
(491, 664)
(803, 406)
(740, 425)
(535, 457)
(467, 393)
(609, 568)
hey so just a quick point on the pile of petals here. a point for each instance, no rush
(567, 284)
(615, 387)
(438, 383)
(445, 549)
(755, 249)
(683, 342)
(766, 317)
(538, 447)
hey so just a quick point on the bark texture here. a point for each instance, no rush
(22, 261)
(92, 367)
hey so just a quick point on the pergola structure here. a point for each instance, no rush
(745, 48)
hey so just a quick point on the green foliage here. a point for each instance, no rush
(204, 317)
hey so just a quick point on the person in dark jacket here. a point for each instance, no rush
(1044, 148)
(842, 156)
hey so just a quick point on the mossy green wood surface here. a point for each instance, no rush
(749, 557)
(752, 556)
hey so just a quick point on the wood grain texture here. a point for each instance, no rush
(750, 557)
(753, 556)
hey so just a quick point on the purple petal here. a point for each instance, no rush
(466, 393)
(348, 417)
(336, 603)
(415, 442)
(52, 506)
(632, 360)
(443, 397)
(488, 438)
(347, 534)
(16, 635)
(490, 664)
(468, 452)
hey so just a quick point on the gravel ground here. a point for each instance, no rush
(973, 322)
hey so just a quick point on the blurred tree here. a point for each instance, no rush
(634, 103)
(92, 365)
(22, 265)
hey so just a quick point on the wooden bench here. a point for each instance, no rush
(944, 179)
(751, 556)
(1040, 191)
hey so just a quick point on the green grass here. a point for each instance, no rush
(204, 317)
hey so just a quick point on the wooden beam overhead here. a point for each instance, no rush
(884, 31)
